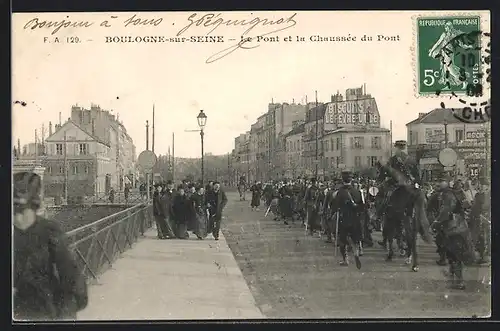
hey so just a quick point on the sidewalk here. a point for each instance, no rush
(172, 279)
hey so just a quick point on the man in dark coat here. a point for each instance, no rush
(216, 204)
(311, 200)
(286, 202)
(160, 214)
(256, 195)
(457, 242)
(48, 284)
(478, 221)
(181, 210)
(167, 202)
(349, 204)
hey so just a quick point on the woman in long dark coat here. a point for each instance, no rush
(199, 208)
(256, 195)
(181, 211)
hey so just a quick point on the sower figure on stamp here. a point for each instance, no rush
(348, 203)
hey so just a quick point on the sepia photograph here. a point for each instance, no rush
(251, 165)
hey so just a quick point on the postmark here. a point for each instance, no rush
(448, 55)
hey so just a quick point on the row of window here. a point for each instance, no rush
(80, 149)
(336, 144)
(432, 134)
(334, 161)
(74, 169)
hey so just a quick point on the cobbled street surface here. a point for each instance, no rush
(295, 276)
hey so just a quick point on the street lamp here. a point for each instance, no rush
(202, 121)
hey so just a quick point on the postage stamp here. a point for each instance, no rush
(448, 55)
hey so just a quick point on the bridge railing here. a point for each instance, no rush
(118, 198)
(97, 245)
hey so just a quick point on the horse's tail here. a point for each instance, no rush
(421, 217)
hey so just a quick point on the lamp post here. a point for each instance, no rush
(202, 121)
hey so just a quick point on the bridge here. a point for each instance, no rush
(258, 269)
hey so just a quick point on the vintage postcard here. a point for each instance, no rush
(251, 165)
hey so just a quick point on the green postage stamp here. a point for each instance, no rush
(448, 55)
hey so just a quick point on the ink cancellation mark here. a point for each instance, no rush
(448, 55)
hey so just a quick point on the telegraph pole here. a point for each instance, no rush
(36, 147)
(147, 135)
(228, 170)
(153, 140)
(390, 132)
(317, 145)
(173, 157)
(445, 133)
(65, 169)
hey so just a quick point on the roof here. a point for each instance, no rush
(437, 116)
(80, 128)
(298, 129)
(356, 129)
(311, 113)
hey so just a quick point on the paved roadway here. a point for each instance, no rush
(295, 276)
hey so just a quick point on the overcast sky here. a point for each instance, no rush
(130, 77)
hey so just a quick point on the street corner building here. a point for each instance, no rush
(86, 156)
(315, 138)
(438, 129)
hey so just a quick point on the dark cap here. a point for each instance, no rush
(400, 143)
(346, 176)
(27, 188)
(169, 182)
(313, 179)
(444, 177)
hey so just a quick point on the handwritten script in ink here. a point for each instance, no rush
(214, 21)
(55, 26)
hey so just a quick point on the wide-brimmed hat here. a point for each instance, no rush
(27, 187)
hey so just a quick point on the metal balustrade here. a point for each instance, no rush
(97, 245)
(119, 198)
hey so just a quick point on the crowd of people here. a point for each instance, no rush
(347, 210)
(189, 207)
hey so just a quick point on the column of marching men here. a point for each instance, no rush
(454, 215)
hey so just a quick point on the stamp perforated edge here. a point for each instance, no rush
(484, 23)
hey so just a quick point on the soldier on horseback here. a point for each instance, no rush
(406, 209)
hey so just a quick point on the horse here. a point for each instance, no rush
(406, 210)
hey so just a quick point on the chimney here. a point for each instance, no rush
(19, 146)
(332, 98)
(50, 129)
(420, 115)
(60, 119)
(93, 127)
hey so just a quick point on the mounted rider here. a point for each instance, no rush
(402, 171)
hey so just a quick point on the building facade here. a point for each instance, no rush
(293, 146)
(342, 133)
(106, 127)
(77, 159)
(431, 132)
